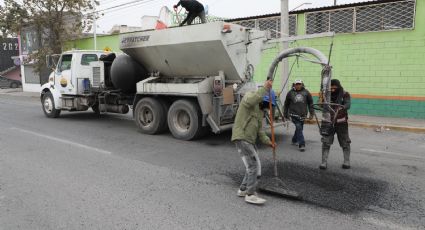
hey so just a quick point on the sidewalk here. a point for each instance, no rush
(379, 124)
(18, 92)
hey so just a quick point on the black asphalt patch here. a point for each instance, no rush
(342, 192)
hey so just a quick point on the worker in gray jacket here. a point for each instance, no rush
(194, 9)
(298, 103)
(342, 103)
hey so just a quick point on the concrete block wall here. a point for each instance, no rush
(383, 71)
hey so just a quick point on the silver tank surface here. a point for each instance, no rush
(197, 50)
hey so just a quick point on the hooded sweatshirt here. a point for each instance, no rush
(296, 103)
(341, 97)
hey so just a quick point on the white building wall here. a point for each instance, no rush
(29, 78)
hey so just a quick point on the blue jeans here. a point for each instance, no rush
(298, 135)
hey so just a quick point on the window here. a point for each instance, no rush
(390, 16)
(272, 24)
(292, 25)
(317, 22)
(65, 63)
(87, 58)
(374, 17)
(269, 24)
(247, 23)
(341, 21)
(338, 21)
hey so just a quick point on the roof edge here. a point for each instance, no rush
(324, 8)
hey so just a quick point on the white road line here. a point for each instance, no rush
(392, 153)
(61, 140)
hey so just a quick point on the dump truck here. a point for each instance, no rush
(184, 79)
(187, 80)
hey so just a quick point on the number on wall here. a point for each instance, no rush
(10, 46)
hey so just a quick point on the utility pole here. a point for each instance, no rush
(94, 25)
(284, 33)
(334, 2)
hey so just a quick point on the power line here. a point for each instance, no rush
(118, 7)
(125, 5)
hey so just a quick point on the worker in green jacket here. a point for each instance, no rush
(246, 130)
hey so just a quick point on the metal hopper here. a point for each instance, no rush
(197, 50)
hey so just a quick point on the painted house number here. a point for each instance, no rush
(10, 46)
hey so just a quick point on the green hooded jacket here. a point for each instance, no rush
(249, 119)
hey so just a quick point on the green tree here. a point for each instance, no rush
(54, 22)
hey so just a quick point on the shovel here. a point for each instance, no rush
(275, 185)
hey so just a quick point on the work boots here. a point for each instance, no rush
(325, 154)
(346, 164)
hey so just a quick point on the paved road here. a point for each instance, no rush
(84, 172)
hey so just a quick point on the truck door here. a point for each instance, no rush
(63, 75)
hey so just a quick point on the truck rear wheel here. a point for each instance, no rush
(150, 116)
(185, 120)
(48, 106)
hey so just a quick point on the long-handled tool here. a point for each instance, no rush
(275, 185)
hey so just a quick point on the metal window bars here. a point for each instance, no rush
(272, 24)
(375, 17)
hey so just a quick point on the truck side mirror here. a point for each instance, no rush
(49, 61)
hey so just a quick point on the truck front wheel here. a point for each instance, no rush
(150, 116)
(185, 120)
(48, 105)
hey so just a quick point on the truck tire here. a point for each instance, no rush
(185, 120)
(150, 116)
(166, 106)
(96, 109)
(48, 106)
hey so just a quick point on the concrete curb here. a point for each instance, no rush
(381, 127)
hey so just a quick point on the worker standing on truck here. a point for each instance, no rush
(194, 9)
(297, 101)
(246, 129)
(342, 101)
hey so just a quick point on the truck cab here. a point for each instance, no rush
(73, 82)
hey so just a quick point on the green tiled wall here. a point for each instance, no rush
(387, 108)
(110, 41)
